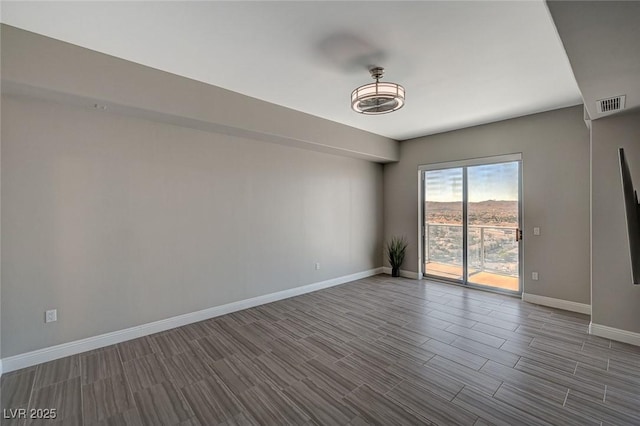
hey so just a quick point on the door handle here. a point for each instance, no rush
(518, 234)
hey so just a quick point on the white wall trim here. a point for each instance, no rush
(567, 305)
(406, 274)
(615, 334)
(38, 356)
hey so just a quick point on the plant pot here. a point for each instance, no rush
(395, 272)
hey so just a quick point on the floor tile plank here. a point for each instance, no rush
(476, 335)
(454, 354)
(63, 396)
(493, 410)
(328, 377)
(188, 367)
(212, 401)
(431, 406)
(16, 389)
(379, 350)
(136, 348)
(269, 406)
(162, 404)
(465, 375)
(428, 378)
(486, 351)
(106, 398)
(527, 382)
(598, 410)
(144, 372)
(318, 404)
(560, 377)
(100, 365)
(554, 414)
(377, 409)
(57, 371)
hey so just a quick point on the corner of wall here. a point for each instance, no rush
(403, 273)
(615, 300)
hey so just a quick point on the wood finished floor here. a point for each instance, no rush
(375, 351)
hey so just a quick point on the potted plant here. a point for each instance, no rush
(396, 248)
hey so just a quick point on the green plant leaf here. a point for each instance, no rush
(396, 248)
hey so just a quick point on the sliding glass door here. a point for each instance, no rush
(471, 222)
(443, 225)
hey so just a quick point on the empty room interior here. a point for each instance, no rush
(320, 213)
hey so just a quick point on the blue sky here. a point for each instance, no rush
(486, 182)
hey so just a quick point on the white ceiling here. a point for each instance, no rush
(462, 63)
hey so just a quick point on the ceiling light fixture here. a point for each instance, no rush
(379, 97)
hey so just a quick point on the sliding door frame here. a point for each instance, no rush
(481, 161)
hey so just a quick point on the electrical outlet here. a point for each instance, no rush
(317, 266)
(534, 276)
(536, 230)
(51, 315)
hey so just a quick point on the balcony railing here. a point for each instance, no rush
(490, 248)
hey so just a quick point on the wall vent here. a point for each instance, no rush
(611, 104)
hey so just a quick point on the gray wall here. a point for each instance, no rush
(555, 151)
(39, 65)
(616, 302)
(0, 235)
(117, 221)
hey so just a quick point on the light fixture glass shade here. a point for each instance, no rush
(377, 98)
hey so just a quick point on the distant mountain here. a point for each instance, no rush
(504, 205)
(490, 212)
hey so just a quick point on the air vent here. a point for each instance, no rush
(611, 104)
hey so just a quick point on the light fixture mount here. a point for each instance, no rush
(379, 97)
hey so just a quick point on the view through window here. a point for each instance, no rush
(492, 255)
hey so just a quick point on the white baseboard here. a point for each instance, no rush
(403, 273)
(615, 334)
(567, 305)
(28, 359)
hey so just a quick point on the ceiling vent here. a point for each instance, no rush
(611, 104)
